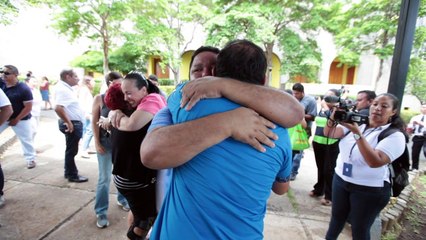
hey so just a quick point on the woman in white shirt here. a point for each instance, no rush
(361, 185)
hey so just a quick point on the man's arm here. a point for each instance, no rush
(280, 187)
(60, 111)
(5, 113)
(24, 112)
(277, 106)
(186, 140)
(136, 121)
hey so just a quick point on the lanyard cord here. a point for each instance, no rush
(365, 129)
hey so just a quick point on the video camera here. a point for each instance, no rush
(345, 112)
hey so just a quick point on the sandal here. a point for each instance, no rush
(325, 202)
(314, 194)
(132, 235)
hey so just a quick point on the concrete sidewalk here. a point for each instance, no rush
(41, 204)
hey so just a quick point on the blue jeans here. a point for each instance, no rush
(104, 179)
(87, 134)
(296, 163)
(361, 202)
(71, 140)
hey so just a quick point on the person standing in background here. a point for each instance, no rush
(44, 90)
(153, 78)
(85, 98)
(417, 124)
(103, 146)
(364, 99)
(71, 117)
(21, 99)
(310, 105)
(37, 102)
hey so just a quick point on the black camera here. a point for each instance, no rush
(345, 113)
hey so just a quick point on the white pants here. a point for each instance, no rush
(24, 131)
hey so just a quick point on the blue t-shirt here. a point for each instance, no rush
(17, 95)
(222, 192)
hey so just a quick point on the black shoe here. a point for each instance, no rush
(78, 179)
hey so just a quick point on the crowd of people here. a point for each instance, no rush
(221, 128)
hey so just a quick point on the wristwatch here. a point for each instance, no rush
(357, 137)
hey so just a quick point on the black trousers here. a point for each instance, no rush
(325, 159)
(419, 142)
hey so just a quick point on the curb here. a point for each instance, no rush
(8, 138)
(392, 214)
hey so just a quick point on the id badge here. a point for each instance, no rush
(347, 169)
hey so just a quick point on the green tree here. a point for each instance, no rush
(100, 21)
(368, 26)
(167, 27)
(10, 9)
(288, 24)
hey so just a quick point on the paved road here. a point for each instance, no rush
(41, 204)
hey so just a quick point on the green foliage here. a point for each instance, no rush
(406, 115)
(90, 61)
(416, 84)
(291, 25)
(166, 82)
(97, 86)
(167, 89)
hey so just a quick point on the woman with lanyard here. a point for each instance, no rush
(361, 185)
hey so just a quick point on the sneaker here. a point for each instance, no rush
(102, 221)
(124, 206)
(31, 164)
(85, 154)
(2, 201)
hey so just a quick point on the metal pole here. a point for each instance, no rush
(403, 45)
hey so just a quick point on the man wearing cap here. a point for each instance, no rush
(21, 99)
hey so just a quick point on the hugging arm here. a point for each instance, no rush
(275, 105)
(185, 140)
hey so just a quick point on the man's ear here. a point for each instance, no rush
(265, 81)
(213, 71)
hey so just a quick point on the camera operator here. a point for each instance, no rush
(361, 182)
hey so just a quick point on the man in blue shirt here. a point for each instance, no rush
(221, 193)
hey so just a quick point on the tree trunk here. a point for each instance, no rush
(269, 51)
(379, 74)
(105, 46)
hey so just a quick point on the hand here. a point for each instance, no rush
(255, 129)
(70, 127)
(104, 123)
(195, 90)
(115, 117)
(99, 148)
(13, 122)
(353, 127)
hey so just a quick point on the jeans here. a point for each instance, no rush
(23, 129)
(297, 158)
(71, 140)
(361, 202)
(104, 179)
(87, 134)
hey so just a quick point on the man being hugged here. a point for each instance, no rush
(221, 192)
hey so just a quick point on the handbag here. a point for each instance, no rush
(298, 137)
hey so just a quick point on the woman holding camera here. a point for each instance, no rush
(361, 185)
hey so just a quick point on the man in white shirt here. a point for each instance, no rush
(417, 124)
(71, 116)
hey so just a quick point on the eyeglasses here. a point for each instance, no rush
(6, 73)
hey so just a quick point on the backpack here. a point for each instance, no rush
(399, 167)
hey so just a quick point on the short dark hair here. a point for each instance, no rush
(371, 95)
(12, 68)
(200, 50)
(242, 60)
(298, 87)
(153, 77)
(64, 73)
(111, 76)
